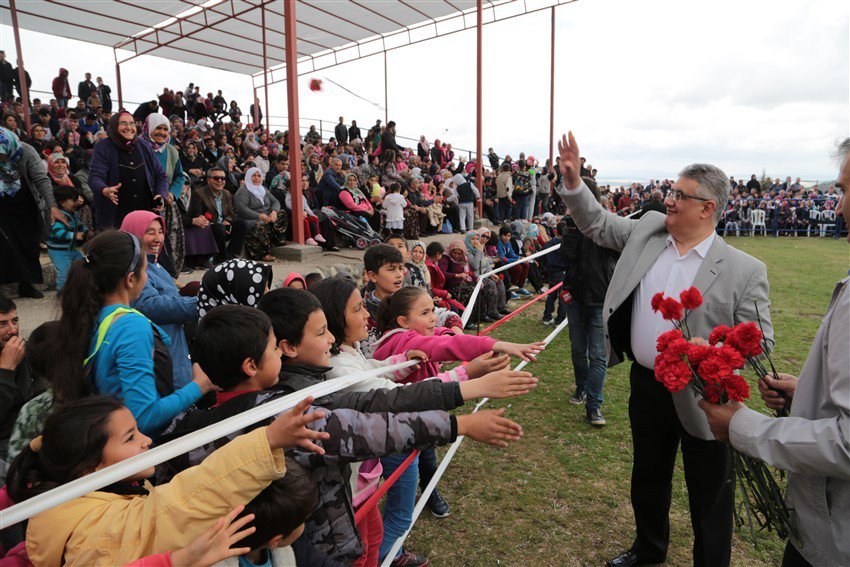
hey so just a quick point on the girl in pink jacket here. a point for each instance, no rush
(406, 321)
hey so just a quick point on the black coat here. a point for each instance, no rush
(589, 267)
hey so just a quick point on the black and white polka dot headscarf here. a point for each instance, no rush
(235, 282)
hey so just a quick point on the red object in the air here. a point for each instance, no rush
(315, 85)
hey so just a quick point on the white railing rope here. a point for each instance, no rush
(120, 471)
(423, 500)
(467, 312)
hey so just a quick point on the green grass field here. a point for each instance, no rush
(561, 495)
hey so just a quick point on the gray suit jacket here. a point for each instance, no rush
(814, 443)
(731, 283)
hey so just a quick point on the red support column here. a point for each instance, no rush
(552, 95)
(479, 164)
(22, 74)
(292, 104)
(118, 79)
(265, 68)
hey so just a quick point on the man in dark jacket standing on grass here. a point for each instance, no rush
(589, 268)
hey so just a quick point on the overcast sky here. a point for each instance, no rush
(647, 86)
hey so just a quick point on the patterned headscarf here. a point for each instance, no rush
(471, 250)
(235, 282)
(457, 245)
(52, 169)
(426, 275)
(10, 176)
(152, 122)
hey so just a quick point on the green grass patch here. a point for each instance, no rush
(561, 495)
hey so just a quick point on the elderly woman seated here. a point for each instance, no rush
(259, 212)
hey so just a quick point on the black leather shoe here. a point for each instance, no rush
(626, 559)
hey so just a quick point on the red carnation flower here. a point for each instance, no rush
(673, 374)
(208, 216)
(656, 300)
(737, 389)
(664, 339)
(315, 85)
(714, 369)
(730, 356)
(718, 335)
(671, 309)
(747, 338)
(691, 298)
(698, 353)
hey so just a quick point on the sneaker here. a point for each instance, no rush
(438, 505)
(525, 292)
(578, 397)
(409, 559)
(513, 295)
(319, 238)
(547, 321)
(543, 289)
(311, 242)
(503, 312)
(596, 418)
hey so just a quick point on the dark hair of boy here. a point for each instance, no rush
(505, 230)
(282, 506)
(434, 248)
(39, 347)
(333, 294)
(289, 309)
(381, 255)
(64, 193)
(312, 279)
(6, 304)
(73, 439)
(561, 228)
(390, 237)
(397, 305)
(226, 336)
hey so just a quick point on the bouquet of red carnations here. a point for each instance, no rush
(709, 368)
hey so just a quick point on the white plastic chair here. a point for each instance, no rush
(827, 219)
(756, 220)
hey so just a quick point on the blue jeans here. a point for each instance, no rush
(62, 260)
(553, 280)
(528, 206)
(401, 498)
(587, 347)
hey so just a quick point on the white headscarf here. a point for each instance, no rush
(152, 122)
(426, 145)
(257, 191)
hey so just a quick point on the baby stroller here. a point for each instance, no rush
(353, 229)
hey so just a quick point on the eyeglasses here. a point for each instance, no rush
(216, 178)
(126, 123)
(678, 195)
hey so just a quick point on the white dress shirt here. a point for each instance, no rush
(671, 273)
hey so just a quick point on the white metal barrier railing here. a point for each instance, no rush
(120, 471)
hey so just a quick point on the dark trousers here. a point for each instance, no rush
(793, 558)
(237, 236)
(656, 434)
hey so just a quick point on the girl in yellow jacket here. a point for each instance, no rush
(123, 522)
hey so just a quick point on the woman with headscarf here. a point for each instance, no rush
(235, 282)
(530, 245)
(160, 300)
(125, 176)
(494, 299)
(193, 162)
(27, 210)
(232, 173)
(423, 148)
(58, 169)
(467, 194)
(37, 138)
(156, 134)
(259, 210)
(460, 280)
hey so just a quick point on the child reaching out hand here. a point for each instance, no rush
(407, 321)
